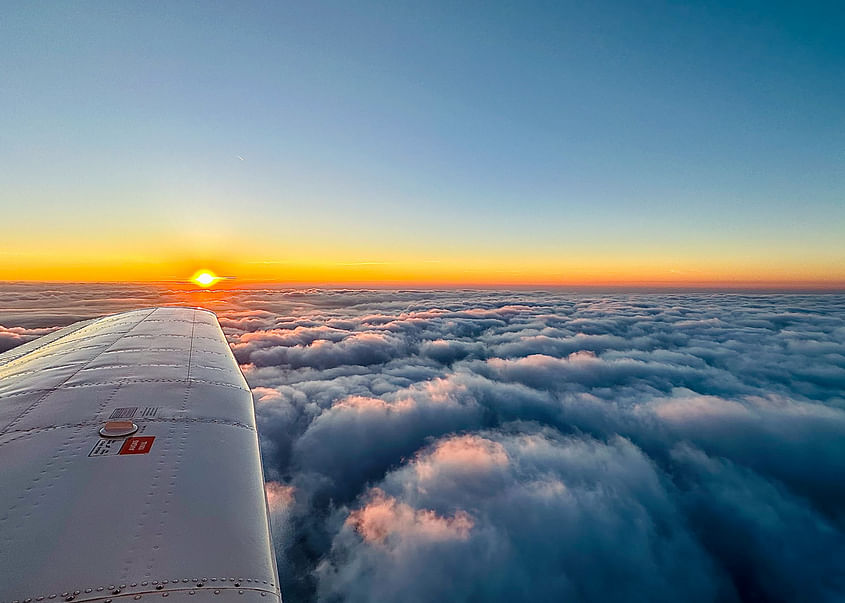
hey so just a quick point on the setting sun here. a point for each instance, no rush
(204, 278)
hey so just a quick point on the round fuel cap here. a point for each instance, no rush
(118, 429)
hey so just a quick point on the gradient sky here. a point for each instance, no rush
(490, 142)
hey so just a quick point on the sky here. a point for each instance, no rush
(424, 143)
(484, 445)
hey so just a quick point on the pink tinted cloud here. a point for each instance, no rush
(364, 404)
(383, 518)
(468, 453)
(279, 496)
(266, 394)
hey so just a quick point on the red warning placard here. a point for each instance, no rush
(140, 445)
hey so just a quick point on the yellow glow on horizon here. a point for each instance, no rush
(235, 243)
(337, 268)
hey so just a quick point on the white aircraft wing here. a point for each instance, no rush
(176, 509)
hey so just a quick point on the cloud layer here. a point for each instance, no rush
(481, 445)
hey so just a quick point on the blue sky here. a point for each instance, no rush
(404, 131)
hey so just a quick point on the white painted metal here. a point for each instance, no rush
(175, 510)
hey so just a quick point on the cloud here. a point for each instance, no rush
(14, 336)
(530, 518)
(773, 545)
(493, 445)
(461, 456)
(384, 519)
(320, 350)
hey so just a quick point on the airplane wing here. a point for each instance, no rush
(129, 466)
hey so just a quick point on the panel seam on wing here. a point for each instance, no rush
(18, 434)
(125, 382)
(35, 404)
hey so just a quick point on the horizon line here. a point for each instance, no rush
(235, 283)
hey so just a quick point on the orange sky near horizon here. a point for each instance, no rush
(456, 271)
(249, 247)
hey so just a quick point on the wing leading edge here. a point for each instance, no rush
(175, 509)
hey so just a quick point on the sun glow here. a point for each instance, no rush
(205, 278)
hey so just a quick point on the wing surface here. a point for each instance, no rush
(176, 509)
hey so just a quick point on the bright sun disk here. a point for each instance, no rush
(205, 278)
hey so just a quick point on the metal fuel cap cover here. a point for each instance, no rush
(118, 429)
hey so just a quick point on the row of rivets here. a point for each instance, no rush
(138, 597)
(117, 589)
